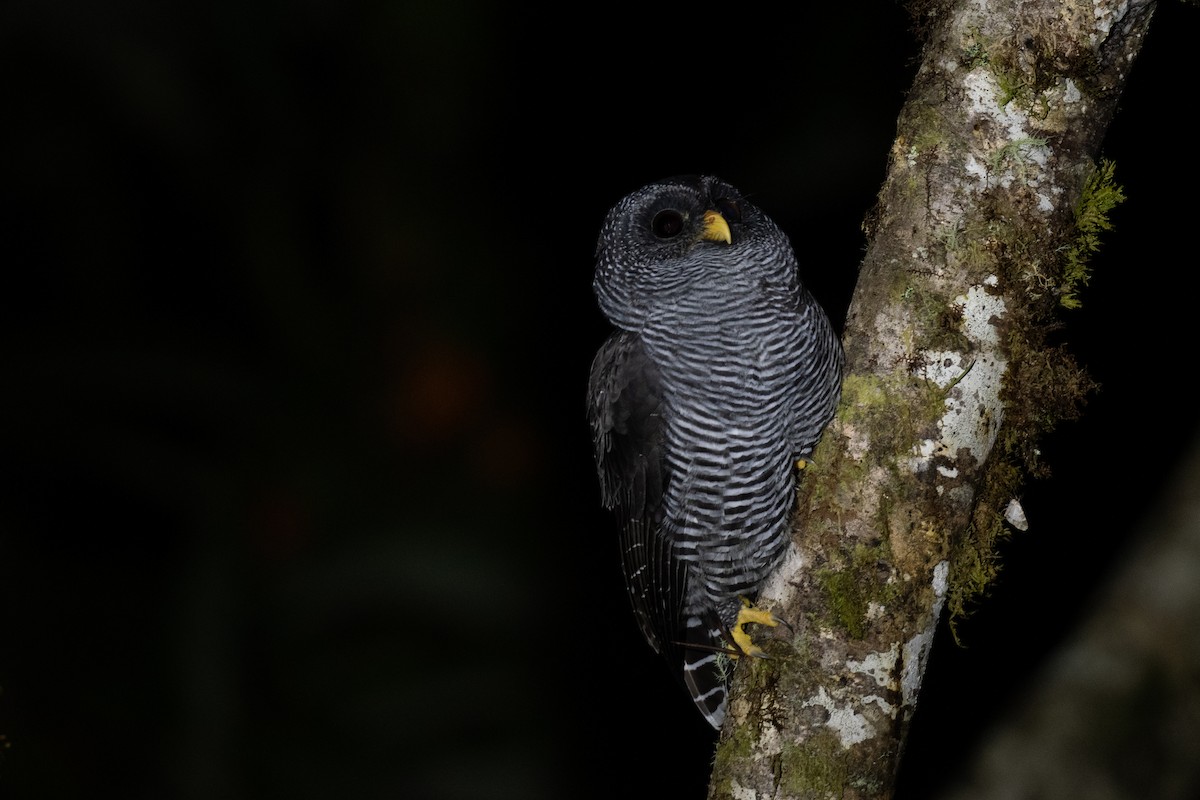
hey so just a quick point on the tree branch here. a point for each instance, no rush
(990, 207)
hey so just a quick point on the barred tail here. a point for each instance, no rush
(704, 668)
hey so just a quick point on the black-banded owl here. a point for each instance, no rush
(716, 384)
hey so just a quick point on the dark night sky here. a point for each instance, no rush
(298, 497)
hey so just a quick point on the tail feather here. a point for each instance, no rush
(704, 668)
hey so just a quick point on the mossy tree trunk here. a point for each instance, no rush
(991, 205)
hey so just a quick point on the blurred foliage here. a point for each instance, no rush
(270, 497)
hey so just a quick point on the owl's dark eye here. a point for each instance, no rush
(667, 224)
(729, 209)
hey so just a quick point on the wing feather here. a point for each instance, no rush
(625, 410)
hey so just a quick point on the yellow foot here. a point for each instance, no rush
(750, 613)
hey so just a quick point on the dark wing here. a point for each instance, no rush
(625, 407)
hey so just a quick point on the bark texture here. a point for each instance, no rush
(988, 212)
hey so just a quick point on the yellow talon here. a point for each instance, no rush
(747, 614)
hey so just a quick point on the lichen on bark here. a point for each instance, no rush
(950, 383)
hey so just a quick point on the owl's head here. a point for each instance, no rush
(685, 237)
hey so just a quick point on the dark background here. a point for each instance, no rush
(298, 498)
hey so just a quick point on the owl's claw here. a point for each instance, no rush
(750, 613)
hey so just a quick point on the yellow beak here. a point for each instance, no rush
(716, 229)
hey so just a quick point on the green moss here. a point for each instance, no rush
(1012, 86)
(851, 587)
(982, 51)
(815, 768)
(845, 600)
(1011, 153)
(974, 566)
(1100, 195)
(926, 129)
(938, 324)
(1043, 388)
(995, 241)
(974, 55)
(761, 679)
(733, 750)
(821, 485)
(869, 404)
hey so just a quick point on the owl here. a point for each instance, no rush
(713, 388)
